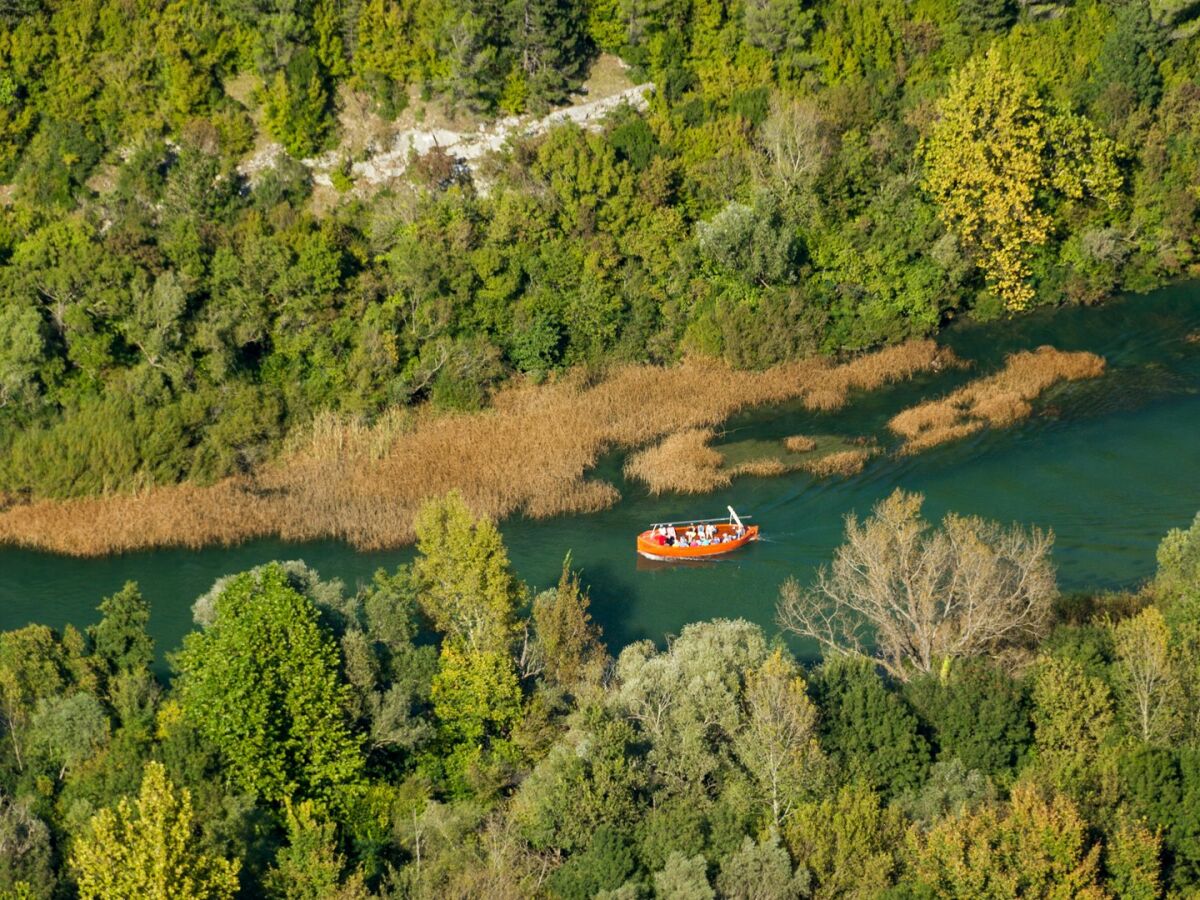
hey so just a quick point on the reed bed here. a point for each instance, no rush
(840, 462)
(994, 401)
(682, 463)
(768, 467)
(528, 454)
(799, 443)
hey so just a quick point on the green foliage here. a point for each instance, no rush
(1179, 565)
(869, 731)
(262, 684)
(709, 662)
(1073, 719)
(761, 869)
(27, 865)
(476, 696)
(606, 864)
(147, 849)
(847, 841)
(996, 155)
(591, 779)
(683, 878)
(462, 577)
(568, 640)
(978, 715)
(295, 105)
(310, 867)
(120, 638)
(1038, 848)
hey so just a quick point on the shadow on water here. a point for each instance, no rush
(1109, 465)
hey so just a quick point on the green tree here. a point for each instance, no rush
(550, 46)
(591, 778)
(568, 641)
(1073, 720)
(68, 731)
(1145, 674)
(462, 577)
(683, 878)
(26, 864)
(977, 713)
(121, 638)
(1178, 575)
(867, 730)
(995, 159)
(1132, 860)
(1132, 52)
(295, 105)
(148, 849)
(1037, 847)
(476, 695)
(22, 352)
(262, 684)
(310, 866)
(606, 864)
(688, 700)
(761, 869)
(778, 744)
(32, 668)
(847, 841)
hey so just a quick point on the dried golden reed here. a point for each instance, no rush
(799, 443)
(529, 453)
(682, 462)
(995, 401)
(840, 462)
(768, 467)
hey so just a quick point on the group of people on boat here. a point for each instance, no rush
(702, 535)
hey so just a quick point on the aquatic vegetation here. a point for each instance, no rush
(528, 453)
(799, 443)
(840, 462)
(683, 463)
(993, 401)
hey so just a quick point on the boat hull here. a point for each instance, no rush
(663, 553)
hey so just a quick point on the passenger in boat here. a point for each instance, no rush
(671, 536)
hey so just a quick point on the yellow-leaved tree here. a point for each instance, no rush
(147, 849)
(997, 162)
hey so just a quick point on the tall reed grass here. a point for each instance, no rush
(840, 462)
(529, 453)
(799, 443)
(682, 462)
(996, 400)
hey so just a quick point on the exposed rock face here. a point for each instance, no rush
(385, 163)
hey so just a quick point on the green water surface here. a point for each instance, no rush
(1108, 464)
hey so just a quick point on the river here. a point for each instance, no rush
(1110, 465)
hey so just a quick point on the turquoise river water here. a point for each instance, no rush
(1110, 465)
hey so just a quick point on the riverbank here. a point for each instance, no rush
(529, 453)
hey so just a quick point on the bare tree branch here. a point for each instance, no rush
(926, 595)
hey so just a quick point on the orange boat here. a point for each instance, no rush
(730, 535)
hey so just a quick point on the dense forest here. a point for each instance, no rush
(445, 731)
(809, 177)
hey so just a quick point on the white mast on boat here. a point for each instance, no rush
(733, 515)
